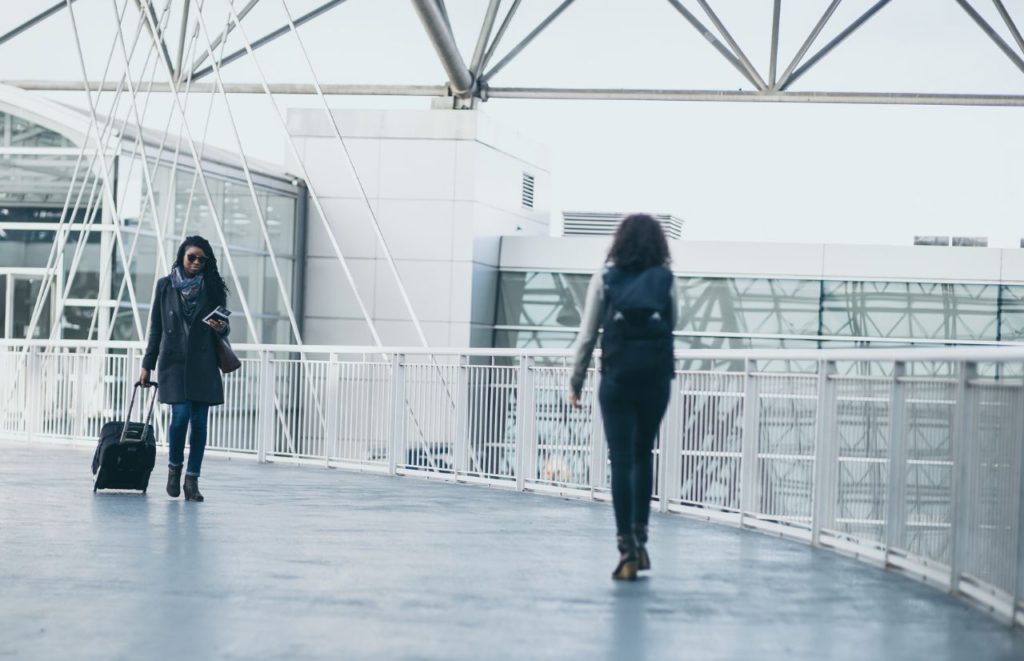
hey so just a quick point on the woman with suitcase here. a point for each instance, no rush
(633, 301)
(182, 348)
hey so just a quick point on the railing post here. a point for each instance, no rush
(963, 473)
(524, 421)
(598, 447)
(331, 426)
(395, 441)
(751, 420)
(265, 410)
(32, 397)
(1017, 613)
(462, 418)
(825, 452)
(78, 393)
(896, 487)
(671, 447)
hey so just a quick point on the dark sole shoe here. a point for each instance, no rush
(643, 559)
(626, 571)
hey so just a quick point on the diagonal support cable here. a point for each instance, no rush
(509, 15)
(251, 184)
(485, 33)
(38, 18)
(266, 39)
(156, 30)
(527, 39)
(781, 84)
(992, 34)
(1014, 30)
(219, 41)
(774, 60)
(713, 40)
(827, 48)
(747, 66)
(305, 175)
(438, 29)
(207, 193)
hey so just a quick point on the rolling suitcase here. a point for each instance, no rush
(126, 452)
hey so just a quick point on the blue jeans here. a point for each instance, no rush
(183, 415)
(632, 416)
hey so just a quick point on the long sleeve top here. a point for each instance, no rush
(590, 325)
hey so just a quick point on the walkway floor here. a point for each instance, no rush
(296, 562)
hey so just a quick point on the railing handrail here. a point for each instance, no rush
(989, 354)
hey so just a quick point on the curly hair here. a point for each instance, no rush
(216, 288)
(639, 244)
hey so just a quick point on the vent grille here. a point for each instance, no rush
(528, 190)
(586, 223)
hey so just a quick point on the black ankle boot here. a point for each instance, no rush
(192, 489)
(643, 560)
(174, 481)
(627, 567)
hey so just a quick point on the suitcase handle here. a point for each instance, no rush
(131, 405)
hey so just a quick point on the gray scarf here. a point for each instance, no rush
(188, 289)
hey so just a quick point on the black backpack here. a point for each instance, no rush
(636, 345)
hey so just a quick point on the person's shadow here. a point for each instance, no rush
(629, 620)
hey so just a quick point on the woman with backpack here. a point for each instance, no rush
(633, 301)
(182, 347)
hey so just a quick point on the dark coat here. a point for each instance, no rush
(186, 363)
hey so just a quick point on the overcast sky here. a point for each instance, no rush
(805, 173)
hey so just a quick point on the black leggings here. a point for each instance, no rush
(632, 415)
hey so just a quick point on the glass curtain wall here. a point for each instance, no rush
(37, 169)
(543, 309)
(188, 212)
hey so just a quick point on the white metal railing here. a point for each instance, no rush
(910, 458)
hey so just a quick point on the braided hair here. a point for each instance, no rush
(216, 288)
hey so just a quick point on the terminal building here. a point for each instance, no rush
(464, 209)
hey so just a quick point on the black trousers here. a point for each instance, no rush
(632, 415)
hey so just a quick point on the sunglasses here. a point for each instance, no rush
(195, 258)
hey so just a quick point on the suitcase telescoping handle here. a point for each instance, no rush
(131, 405)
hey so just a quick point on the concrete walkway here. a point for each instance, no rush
(296, 562)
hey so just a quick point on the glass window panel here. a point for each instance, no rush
(86, 281)
(279, 212)
(748, 305)
(78, 322)
(3, 304)
(44, 179)
(29, 248)
(18, 132)
(542, 299)
(25, 292)
(910, 310)
(532, 339)
(1013, 313)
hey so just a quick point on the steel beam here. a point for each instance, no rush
(1014, 30)
(700, 27)
(561, 93)
(38, 18)
(242, 88)
(501, 33)
(747, 66)
(827, 48)
(776, 15)
(266, 39)
(146, 8)
(781, 84)
(874, 98)
(486, 28)
(459, 77)
(992, 34)
(222, 36)
(526, 40)
(181, 37)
